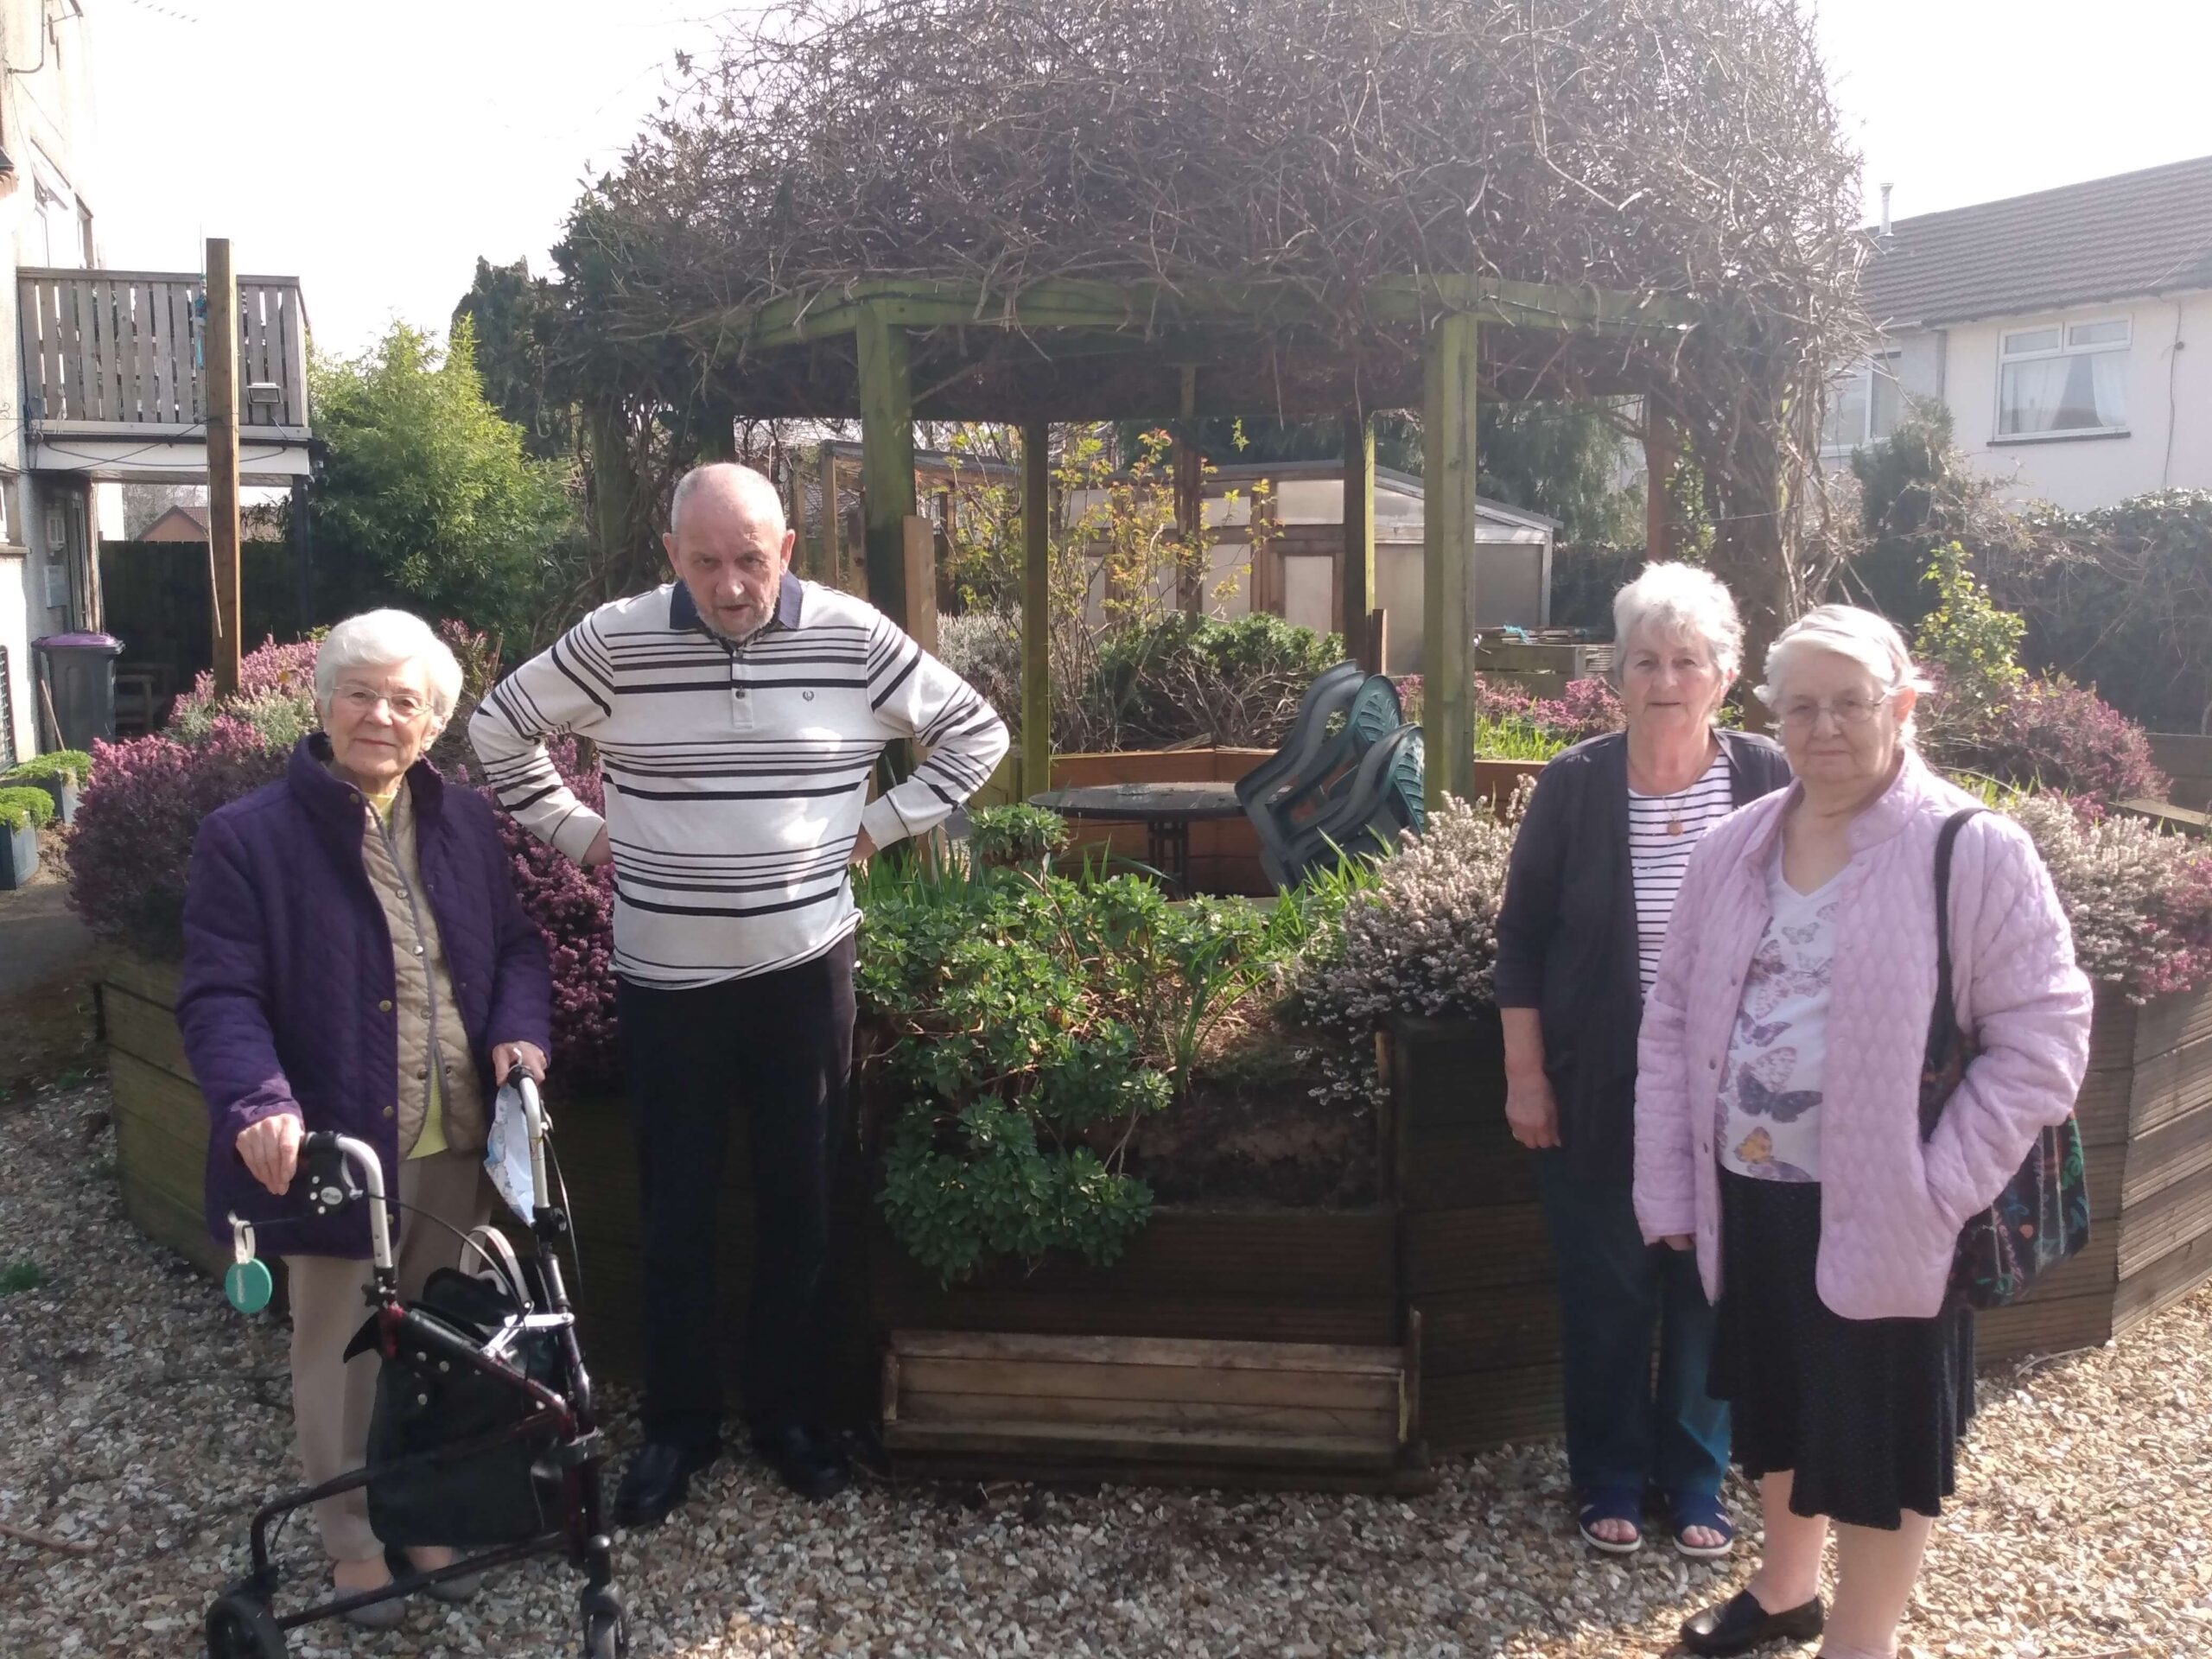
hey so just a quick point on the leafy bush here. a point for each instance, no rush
(1029, 1022)
(1004, 836)
(2140, 900)
(25, 808)
(1421, 940)
(1965, 636)
(2046, 734)
(73, 764)
(1184, 676)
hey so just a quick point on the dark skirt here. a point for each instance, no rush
(1866, 1414)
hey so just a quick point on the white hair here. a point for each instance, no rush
(752, 486)
(386, 640)
(1865, 637)
(1680, 602)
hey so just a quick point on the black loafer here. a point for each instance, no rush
(813, 1467)
(658, 1479)
(1741, 1625)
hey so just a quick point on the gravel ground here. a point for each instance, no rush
(143, 1420)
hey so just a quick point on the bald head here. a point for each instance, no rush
(729, 545)
(725, 487)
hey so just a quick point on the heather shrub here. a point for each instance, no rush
(136, 821)
(1585, 708)
(2042, 733)
(2140, 900)
(1421, 940)
(275, 696)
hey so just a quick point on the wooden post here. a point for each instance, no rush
(1193, 568)
(1658, 475)
(220, 347)
(920, 564)
(830, 527)
(303, 554)
(887, 460)
(795, 512)
(1378, 630)
(1449, 358)
(1036, 609)
(1357, 571)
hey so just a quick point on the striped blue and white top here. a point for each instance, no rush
(736, 774)
(1662, 830)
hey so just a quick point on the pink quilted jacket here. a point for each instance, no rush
(1890, 1209)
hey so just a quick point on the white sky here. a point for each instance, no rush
(374, 148)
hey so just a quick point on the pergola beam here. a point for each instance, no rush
(1358, 576)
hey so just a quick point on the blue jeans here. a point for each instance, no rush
(1613, 1288)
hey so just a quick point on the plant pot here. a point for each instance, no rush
(18, 856)
(64, 791)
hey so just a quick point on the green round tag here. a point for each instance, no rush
(248, 1286)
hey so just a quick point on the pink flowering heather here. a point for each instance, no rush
(135, 822)
(2048, 733)
(1585, 708)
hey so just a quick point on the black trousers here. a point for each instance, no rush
(778, 1048)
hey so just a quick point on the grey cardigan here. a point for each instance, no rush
(1567, 936)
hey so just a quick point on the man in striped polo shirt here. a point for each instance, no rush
(738, 713)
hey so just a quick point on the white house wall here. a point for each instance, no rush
(2168, 443)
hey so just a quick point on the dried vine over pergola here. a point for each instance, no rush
(1036, 210)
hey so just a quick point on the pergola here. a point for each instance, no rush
(895, 349)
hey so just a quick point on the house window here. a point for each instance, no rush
(1863, 405)
(2067, 379)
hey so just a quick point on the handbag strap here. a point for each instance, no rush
(1944, 1029)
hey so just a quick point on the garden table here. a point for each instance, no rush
(1166, 810)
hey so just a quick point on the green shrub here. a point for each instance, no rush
(31, 807)
(1008, 836)
(73, 765)
(1185, 677)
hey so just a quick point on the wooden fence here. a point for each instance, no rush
(2186, 758)
(156, 599)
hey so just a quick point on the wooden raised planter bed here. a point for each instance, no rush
(1456, 1252)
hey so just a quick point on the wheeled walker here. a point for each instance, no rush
(484, 1436)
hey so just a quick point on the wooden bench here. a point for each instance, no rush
(994, 1404)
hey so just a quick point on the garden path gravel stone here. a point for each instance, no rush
(144, 1420)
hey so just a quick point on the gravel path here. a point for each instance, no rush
(143, 1420)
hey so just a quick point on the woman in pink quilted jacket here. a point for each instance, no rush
(1777, 1125)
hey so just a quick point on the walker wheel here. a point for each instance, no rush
(239, 1627)
(607, 1626)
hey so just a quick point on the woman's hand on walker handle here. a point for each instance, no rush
(506, 1056)
(1532, 1111)
(270, 1150)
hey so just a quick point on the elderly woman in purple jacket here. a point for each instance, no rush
(356, 961)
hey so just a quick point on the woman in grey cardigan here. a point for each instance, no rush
(1587, 899)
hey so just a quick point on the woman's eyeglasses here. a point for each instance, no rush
(362, 701)
(1802, 714)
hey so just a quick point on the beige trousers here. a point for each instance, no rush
(331, 1397)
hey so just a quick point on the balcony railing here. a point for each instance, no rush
(121, 353)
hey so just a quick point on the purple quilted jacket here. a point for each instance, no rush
(286, 1004)
(1891, 1207)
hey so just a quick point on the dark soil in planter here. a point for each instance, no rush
(1251, 1132)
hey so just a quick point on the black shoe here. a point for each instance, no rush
(658, 1479)
(1741, 1625)
(813, 1467)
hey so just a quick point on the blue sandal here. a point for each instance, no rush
(1688, 1510)
(1611, 1503)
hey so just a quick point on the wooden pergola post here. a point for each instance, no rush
(1036, 609)
(1191, 568)
(222, 368)
(1658, 477)
(1450, 354)
(1358, 570)
(887, 458)
(829, 557)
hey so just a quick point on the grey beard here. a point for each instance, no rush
(728, 637)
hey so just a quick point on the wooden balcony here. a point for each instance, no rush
(117, 354)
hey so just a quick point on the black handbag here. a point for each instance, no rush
(500, 1496)
(2042, 1217)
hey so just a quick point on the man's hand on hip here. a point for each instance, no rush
(598, 852)
(863, 848)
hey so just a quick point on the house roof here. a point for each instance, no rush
(2126, 237)
(177, 524)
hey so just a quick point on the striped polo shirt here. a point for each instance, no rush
(1662, 830)
(736, 773)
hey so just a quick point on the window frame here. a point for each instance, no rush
(2064, 327)
(1863, 371)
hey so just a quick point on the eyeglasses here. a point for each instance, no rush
(362, 701)
(1802, 714)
